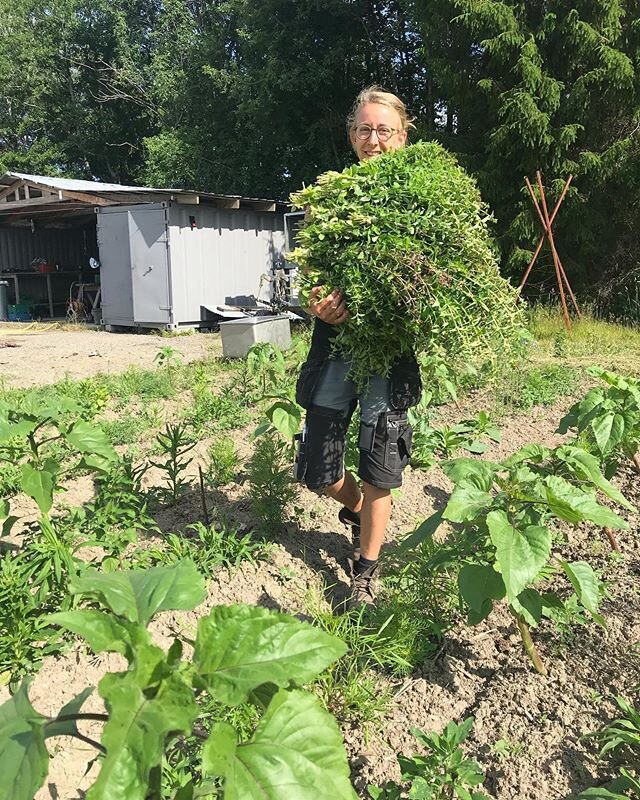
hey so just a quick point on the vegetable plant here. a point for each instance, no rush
(620, 739)
(28, 435)
(240, 654)
(404, 236)
(443, 773)
(607, 420)
(430, 444)
(508, 513)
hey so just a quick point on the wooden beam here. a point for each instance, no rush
(85, 197)
(258, 205)
(34, 201)
(11, 188)
(226, 202)
(187, 199)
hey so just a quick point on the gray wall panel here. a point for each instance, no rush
(69, 248)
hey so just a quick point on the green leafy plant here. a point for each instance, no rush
(265, 370)
(526, 386)
(271, 486)
(116, 515)
(222, 463)
(211, 413)
(175, 442)
(405, 238)
(506, 511)
(443, 773)
(31, 430)
(431, 444)
(607, 420)
(241, 654)
(621, 740)
(208, 546)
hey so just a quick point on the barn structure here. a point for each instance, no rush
(158, 258)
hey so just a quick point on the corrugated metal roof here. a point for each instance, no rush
(97, 187)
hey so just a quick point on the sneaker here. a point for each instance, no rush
(363, 588)
(351, 519)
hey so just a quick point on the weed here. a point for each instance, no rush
(526, 388)
(127, 430)
(350, 688)
(271, 484)
(214, 412)
(506, 749)
(9, 479)
(442, 773)
(175, 442)
(620, 739)
(208, 546)
(138, 383)
(222, 463)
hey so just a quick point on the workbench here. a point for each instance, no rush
(48, 277)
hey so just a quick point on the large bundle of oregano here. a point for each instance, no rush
(404, 236)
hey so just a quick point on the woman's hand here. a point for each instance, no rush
(332, 309)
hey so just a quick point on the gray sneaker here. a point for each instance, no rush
(363, 588)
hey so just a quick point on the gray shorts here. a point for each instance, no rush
(384, 439)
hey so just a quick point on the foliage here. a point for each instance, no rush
(404, 236)
(175, 442)
(506, 511)
(607, 420)
(271, 484)
(530, 86)
(442, 773)
(530, 386)
(115, 515)
(33, 582)
(28, 435)
(241, 653)
(620, 739)
(222, 463)
(264, 370)
(208, 546)
(429, 444)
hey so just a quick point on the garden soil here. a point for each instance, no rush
(530, 734)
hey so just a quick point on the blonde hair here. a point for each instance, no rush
(376, 94)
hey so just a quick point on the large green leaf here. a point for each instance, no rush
(103, 632)
(238, 648)
(90, 439)
(586, 585)
(471, 471)
(537, 453)
(38, 483)
(296, 752)
(520, 553)
(528, 605)
(139, 594)
(24, 760)
(465, 503)
(587, 467)
(12, 430)
(479, 586)
(573, 505)
(422, 533)
(607, 431)
(144, 706)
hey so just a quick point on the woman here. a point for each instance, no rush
(378, 123)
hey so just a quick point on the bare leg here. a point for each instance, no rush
(376, 510)
(346, 491)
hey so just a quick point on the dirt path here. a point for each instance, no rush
(46, 356)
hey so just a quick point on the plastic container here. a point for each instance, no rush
(239, 335)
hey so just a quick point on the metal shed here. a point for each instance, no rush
(168, 257)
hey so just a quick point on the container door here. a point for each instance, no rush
(150, 265)
(115, 267)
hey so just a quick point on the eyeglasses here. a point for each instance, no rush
(383, 132)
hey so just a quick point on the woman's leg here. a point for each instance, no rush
(374, 518)
(346, 491)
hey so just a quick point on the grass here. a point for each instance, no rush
(591, 341)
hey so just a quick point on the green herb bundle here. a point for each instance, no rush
(404, 236)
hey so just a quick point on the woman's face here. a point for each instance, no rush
(376, 115)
